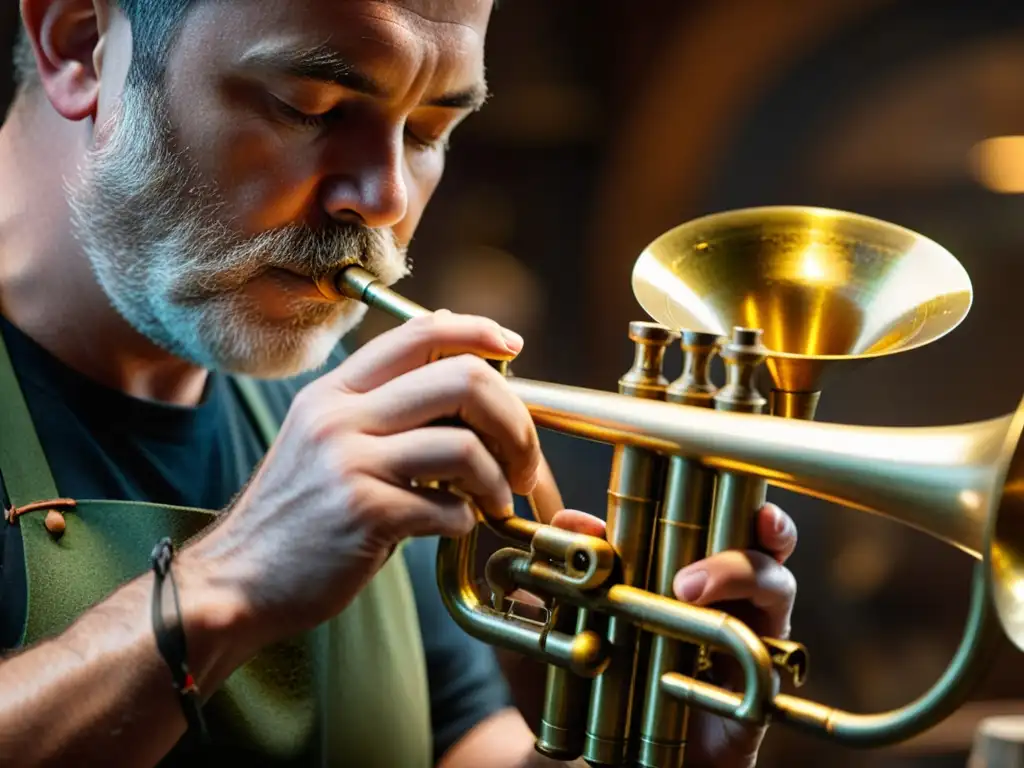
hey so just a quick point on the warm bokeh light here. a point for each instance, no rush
(998, 164)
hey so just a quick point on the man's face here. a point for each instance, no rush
(288, 137)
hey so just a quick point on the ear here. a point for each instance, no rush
(68, 37)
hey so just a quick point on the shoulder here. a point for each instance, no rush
(279, 393)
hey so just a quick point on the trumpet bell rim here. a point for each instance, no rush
(1004, 549)
(825, 285)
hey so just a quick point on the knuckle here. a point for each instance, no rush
(787, 584)
(362, 502)
(322, 432)
(306, 402)
(527, 441)
(318, 416)
(428, 331)
(329, 432)
(467, 446)
(477, 375)
(358, 493)
(350, 455)
(464, 520)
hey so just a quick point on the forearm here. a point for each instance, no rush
(100, 693)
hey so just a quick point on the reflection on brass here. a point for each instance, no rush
(681, 536)
(807, 291)
(826, 287)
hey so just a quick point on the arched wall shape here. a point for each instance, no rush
(755, 142)
(769, 148)
(702, 82)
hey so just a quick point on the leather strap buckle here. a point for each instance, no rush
(54, 522)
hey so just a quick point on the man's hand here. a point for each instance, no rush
(334, 495)
(347, 478)
(755, 587)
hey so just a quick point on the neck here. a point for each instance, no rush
(47, 288)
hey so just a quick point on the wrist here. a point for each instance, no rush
(216, 619)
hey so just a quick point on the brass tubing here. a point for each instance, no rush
(977, 649)
(941, 481)
(667, 616)
(354, 282)
(736, 502)
(583, 653)
(634, 496)
(680, 539)
(632, 508)
(959, 484)
(738, 497)
(564, 718)
(514, 529)
(793, 405)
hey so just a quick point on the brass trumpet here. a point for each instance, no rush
(806, 292)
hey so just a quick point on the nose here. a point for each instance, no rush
(366, 180)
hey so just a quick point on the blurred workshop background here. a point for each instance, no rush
(612, 122)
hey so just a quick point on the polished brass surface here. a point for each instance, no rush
(827, 287)
(681, 537)
(801, 290)
(793, 405)
(738, 498)
(634, 496)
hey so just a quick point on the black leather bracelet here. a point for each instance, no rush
(170, 640)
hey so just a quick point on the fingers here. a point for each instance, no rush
(750, 577)
(418, 342)
(579, 522)
(467, 388)
(546, 499)
(389, 514)
(777, 532)
(443, 454)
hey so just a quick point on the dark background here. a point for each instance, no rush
(611, 122)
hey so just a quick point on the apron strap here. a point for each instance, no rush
(26, 472)
(259, 412)
(367, 664)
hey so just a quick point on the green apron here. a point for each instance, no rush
(352, 693)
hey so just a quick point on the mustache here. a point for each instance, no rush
(317, 253)
(314, 253)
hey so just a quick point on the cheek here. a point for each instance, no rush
(267, 181)
(264, 180)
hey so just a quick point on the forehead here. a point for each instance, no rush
(445, 35)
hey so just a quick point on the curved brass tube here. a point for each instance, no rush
(884, 728)
(942, 481)
(960, 484)
(669, 617)
(583, 653)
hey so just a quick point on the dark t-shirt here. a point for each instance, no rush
(102, 444)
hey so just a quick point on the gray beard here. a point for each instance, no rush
(156, 238)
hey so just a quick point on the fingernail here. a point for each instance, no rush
(513, 340)
(690, 586)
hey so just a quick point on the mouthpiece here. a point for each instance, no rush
(358, 284)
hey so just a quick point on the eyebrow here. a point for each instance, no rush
(327, 65)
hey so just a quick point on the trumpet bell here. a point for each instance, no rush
(1004, 553)
(825, 286)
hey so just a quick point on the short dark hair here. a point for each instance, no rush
(155, 24)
